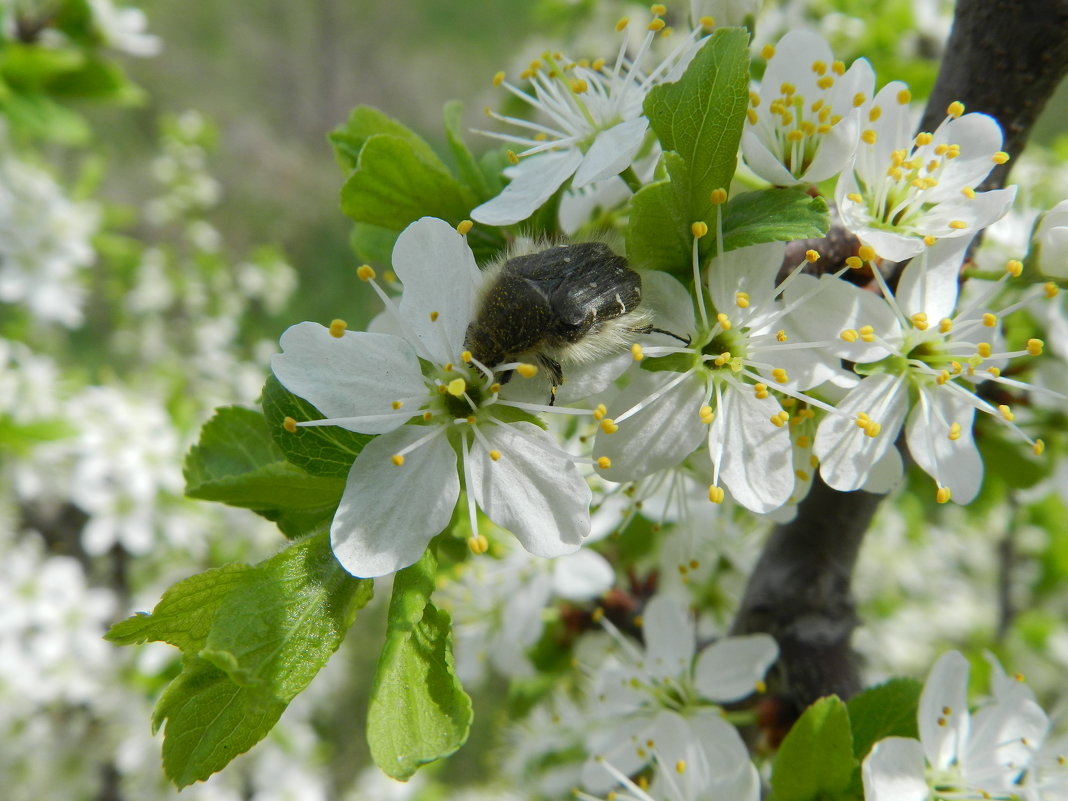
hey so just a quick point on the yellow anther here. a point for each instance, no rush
(958, 225)
(760, 686)
(872, 429)
(854, 262)
(724, 321)
(513, 159)
(855, 198)
(942, 378)
(718, 197)
(814, 461)
(658, 9)
(956, 368)
(862, 419)
(290, 425)
(397, 459)
(478, 544)
(1014, 267)
(707, 415)
(1001, 157)
(751, 116)
(428, 416)
(869, 137)
(495, 387)
(722, 359)
(994, 371)
(767, 51)
(498, 78)
(780, 335)
(457, 387)
(812, 256)
(1038, 447)
(397, 404)
(866, 252)
(954, 431)
(929, 240)
(826, 82)
(779, 375)
(447, 367)
(1034, 346)
(464, 226)
(365, 272)
(802, 475)
(919, 321)
(984, 349)
(1006, 412)
(623, 22)
(804, 440)
(579, 86)
(495, 455)
(990, 320)
(434, 316)
(850, 335)
(699, 229)
(942, 496)
(923, 138)
(600, 412)
(779, 419)
(760, 390)
(715, 494)
(742, 299)
(867, 333)
(819, 67)
(1050, 289)
(945, 325)
(787, 89)
(636, 352)
(707, 22)
(527, 370)
(608, 426)
(657, 25)
(597, 65)
(337, 328)
(471, 419)
(604, 462)
(904, 97)
(968, 192)
(795, 136)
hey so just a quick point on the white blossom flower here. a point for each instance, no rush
(804, 120)
(964, 756)
(922, 355)
(44, 243)
(641, 694)
(594, 125)
(718, 387)
(124, 29)
(903, 193)
(1050, 241)
(431, 405)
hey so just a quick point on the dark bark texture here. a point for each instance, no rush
(1004, 58)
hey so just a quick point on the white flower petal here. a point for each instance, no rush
(388, 514)
(440, 280)
(355, 377)
(669, 637)
(846, 453)
(730, 669)
(534, 183)
(894, 771)
(659, 436)
(582, 576)
(755, 456)
(953, 463)
(611, 152)
(943, 713)
(751, 270)
(930, 286)
(763, 161)
(670, 301)
(532, 490)
(831, 306)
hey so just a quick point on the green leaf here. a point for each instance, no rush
(700, 117)
(237, 462)
(658, 235)
(773, 215)
(886, 710)
(372, 244)
(1009, 460)
(253, 638)
(418, 711)
(184, 614)
(466, 165)
(40, 117)
(363, 123)
(816, 760)
(327, 451)
(396, 183)
(209, 721)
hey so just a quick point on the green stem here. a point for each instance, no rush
(631, 179)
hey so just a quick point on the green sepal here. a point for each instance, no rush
(418, 712)
(658, 234)
(815, 762)
(773, 215)
(327, 451)
(237, 462)
(673, 363)
(364, 122)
